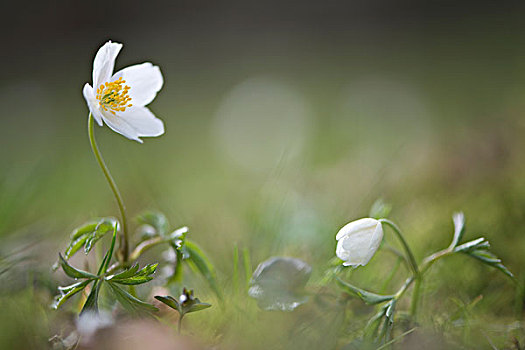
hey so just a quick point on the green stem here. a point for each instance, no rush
(414, 303)
(179, 325)
(412, 260)
(410, 255)
(124, 238)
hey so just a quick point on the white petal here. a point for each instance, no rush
(361, 224)
(92, 103)
(144, 121)
(105, 62)
(375, 241)
(355, 248)
(144, 80)
(134, 123)
(119, 125)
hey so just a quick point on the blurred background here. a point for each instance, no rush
(284, 121)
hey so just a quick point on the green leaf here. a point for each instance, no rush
(138, 277)
(190, 304)
(198, 306)
(480, 243)
(91, 303)
(490, 259)
(128, 301)
(106, 225)
(78, 238)
(168, 300)
(199, 260)
(459, 228)
(74, 272)
(388, 322)
(124, 274)
(67, 292)
(88, 234)
(157, 220)
(368, 297)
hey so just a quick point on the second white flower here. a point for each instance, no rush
(358, 241)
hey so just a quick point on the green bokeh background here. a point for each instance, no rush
(419, 104)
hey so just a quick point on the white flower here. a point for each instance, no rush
(358, 241)
(119, 99)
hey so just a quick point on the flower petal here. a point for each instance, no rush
(144, 121)
(119, 125)
(357, 225)
(375, 242)
(105, 62)
(145, 80)
(92, 103)
(135, 122)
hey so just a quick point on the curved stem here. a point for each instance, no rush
(114, 189)
(410, 256)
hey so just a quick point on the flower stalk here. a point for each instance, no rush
(124, 243)
(417, 274)
(408, 251)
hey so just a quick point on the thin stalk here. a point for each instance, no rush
(414, 303)
(124, 237)
(413, 264)
(408, 251)
(179, 325)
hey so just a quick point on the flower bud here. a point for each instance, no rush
(358, 241)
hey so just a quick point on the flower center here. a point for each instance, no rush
(114, 97)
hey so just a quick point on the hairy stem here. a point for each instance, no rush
(124, 244)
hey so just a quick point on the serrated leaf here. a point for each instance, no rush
(490, 259)
(388, 322)
(104, 226)
(128, 301)
(157, 220)
(138, 277)
(480, 243)
(88, 227)
(72, 271)
(67, 292)
(125, 274)
(88, 234)
(368, 297)
(459, 228)
(91, 304)
(203, 265)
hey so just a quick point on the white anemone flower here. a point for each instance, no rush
(358, 241)
(120, 99)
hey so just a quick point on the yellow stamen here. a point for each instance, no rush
(114, 96)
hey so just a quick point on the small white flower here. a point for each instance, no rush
(119, 99)
(358, 241)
